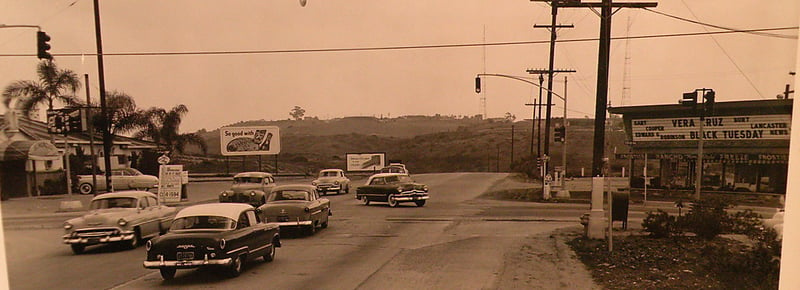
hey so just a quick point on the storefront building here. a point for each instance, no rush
(745, 145)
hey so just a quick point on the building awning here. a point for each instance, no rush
(28, 150)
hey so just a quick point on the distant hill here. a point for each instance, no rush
(424, 143)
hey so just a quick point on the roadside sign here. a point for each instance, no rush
(256, 140)
(163, 159)
(169, 183)
(365, 161)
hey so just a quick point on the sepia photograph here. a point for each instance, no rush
(353, 144)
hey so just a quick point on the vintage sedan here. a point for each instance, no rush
(224, 235)
(121, 179)
(332, 180)
(125, 217)
(249, 187)
(296, 206)
(392, 188)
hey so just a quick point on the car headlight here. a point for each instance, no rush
(222, 244)
(425, 188)
(148, 245)
(224, 194)
(335, 183)
(314, 183)
(399, 189)
(67, 226)
(252, 193)
(122, 222)
(307, 209)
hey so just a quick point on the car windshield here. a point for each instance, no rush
(247, 180)
(117, 202)
(202, 223)
(328, 174)
(289, 195)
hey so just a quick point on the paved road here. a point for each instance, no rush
(453, 242)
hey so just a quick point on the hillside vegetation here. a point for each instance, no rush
(425, 144)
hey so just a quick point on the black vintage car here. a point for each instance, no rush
(392, 188)
(225, 235)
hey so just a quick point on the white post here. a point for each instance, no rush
(596, 216)
(645, 179)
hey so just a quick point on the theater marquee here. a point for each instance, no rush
(754, 127)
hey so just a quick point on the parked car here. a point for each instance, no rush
(776, 223)
(125, 217)
(249, 187)
(332, 180)
(296, 206)
(218, 234)
(121, 179)
(392, 188)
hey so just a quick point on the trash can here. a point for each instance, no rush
(619, 207)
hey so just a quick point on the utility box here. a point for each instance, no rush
(619, 207)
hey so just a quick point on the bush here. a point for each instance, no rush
(707, 217)
(659, 224)
(745, 222)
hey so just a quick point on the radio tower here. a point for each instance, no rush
(626, 78)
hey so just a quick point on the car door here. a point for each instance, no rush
(118, 180)
(319, 207)
(148, 218)
(165, 214)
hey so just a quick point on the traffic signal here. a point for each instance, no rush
(42, 46)
(560, 134)
(477, 85)
(708, 101)
(538, 162)
(55, 122)
(689, 99)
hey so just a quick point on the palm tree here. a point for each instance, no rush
(163, 126)
(54, 85)
(125, 116)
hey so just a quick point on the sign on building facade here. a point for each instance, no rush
(753, 127)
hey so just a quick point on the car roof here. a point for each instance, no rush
(252, 174)
(126, 193)
(327, 170)
(385, 174)
(294, 187)
(228, 210)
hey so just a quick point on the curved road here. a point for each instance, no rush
(456, 241)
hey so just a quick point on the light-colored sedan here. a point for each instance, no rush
(125, 217)
(332, 180)
(121, 179)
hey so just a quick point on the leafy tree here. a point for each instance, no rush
(510, 117)
(125, 116)
(54, 85)
(297, 113)
(163, 127)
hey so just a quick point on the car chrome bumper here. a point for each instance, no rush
(329, 188)
(186, 264)
(411, 198)
(293, 224)
(91, 240)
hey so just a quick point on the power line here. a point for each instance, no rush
(720, 27)
(407, 47)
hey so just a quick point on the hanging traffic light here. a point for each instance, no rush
(689, 99)
(477, 85)
(42, 46)
(708, 101)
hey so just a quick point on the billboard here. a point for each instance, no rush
(366, 161)
(255, 140)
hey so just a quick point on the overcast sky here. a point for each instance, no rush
(221, 89)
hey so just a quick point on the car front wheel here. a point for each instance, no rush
(270, 256)
(391, 201)
(134, 243)
(420, 202)
(167, 273)
(77, 249)
(236, 266)
(365, 200)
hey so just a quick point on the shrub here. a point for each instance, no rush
(707, 217)
(659, 224)
(745, 222)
